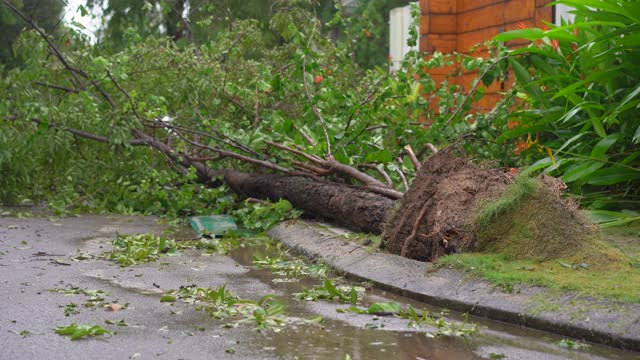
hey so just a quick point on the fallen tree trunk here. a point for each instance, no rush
(439, 214)
(349, 206)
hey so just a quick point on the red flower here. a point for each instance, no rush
(521, 25)
(318, 79)
(367, 33)
(416, 77)
(555, 43)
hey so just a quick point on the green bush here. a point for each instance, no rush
(579, 84)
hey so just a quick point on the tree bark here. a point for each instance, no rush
(353, 207)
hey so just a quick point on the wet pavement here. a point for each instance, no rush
(36, 257)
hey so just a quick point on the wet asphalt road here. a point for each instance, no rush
(35, 257)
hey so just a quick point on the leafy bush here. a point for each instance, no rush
(579, 84)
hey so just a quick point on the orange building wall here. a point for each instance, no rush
(456, 25)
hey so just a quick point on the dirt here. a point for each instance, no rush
(349, 206)
(446, 192)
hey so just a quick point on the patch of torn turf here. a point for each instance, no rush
(531, 220)
(617, 281)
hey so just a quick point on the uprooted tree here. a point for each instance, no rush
(333, 148)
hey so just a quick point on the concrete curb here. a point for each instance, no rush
(606, 322)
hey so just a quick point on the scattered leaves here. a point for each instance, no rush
(75, 331)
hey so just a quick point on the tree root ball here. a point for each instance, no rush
(454, 206)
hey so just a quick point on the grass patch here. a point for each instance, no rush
(617, 280)
(510, 199)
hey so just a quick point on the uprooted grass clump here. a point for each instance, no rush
(531, 220)
(531, 235)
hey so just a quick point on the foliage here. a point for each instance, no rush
(221, 303)
(262, 216)
(45, 12)
(329, 291)
(134, 249)
(78, 331)
(247, 94)
(291, 269)
(588, 127)
(237, 91)
(573, 345)
(418, 319)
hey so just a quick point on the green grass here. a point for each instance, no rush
(512, 196)
(617, 281)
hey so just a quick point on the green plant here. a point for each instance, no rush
(70, 309)
(291, 268)
(512, 196)
(573, 345)
(133, 249)
(221, 303)
(75, 331)
(329, 291)
(262, 216)
(417, 319)
(240, 100)
(588, 128)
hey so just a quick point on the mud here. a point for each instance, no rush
(442, 199)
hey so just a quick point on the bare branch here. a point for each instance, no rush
(305, 136)
(57, 87)
(379, 169)
(236, 156)
(311, 158)
(412, 157)
(90, 136)
(402, 176)
(316, 170)
(385, 191)
(431, 147)
(354, 173)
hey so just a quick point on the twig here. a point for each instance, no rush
(412, 157)
(334, 166)
(316, 170)
(379, 169)
(236, 156)
(91, 136)
(224, 139)
(305, 136)
(311, 158)
(393, 194)
(57, 87)
(427, 146)
(256, 108)
(402, 176)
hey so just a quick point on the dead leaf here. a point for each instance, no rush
(113, 307)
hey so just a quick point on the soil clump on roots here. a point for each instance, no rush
(454, 206)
